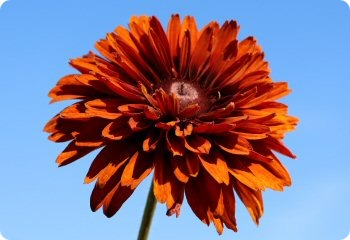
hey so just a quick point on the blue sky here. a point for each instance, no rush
(307, 43)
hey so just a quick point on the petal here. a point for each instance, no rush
(115, 200)
(186, 131)
(75, 111)
(167, 189)
(216, 166)
(138, 124)
(138, 168)
(104, 108)
(151, 113)
(201, 53)
(117, 130)
(233, 143)
(252, 199)
(175, 144)
(113, 154)
(192, 163)
(72, 153)
(132, 110)
(76, 86)
(198, 144)
(197, 199)
(228, 216)
(162, 173)
(168, 104)
(212, 128)
(218, 113)
(185, 53)
(174, 28)
(151, 140)
(180, 169)
(278, 146)
(104, 192)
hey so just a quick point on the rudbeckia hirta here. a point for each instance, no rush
(195, 107)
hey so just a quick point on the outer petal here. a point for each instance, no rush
(138, 168)
(252, 199)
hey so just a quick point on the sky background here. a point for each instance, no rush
(307, 43)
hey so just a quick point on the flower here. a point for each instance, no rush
(196, 107)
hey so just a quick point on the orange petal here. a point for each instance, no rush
(104, 108)
(216, 166)
(162, 173)
(278, 146)
(251, 199)
(77, 87)
(233, 143)
(75, 111)
(197, 144)
(174, 28)
(201, 53)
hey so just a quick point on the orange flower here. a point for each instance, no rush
(197, 107)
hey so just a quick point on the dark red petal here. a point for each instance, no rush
(72, 153)
(180, 169)
(175, 144)
(192, 163)
(138, 168)
(152, 139)
(114, 201)
(117, 130)
(114, 153)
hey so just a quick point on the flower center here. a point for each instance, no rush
(187, 93)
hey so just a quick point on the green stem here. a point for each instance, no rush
(147, 215)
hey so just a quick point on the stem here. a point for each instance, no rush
(147, 215)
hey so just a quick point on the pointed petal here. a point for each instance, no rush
(138, 168)
(198, 144)
(251, 199)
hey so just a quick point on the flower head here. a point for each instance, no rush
(196, 107)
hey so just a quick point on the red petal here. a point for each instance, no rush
(192, 163)
(233, 143)
(138, 168)
(212, 128)
(251, 199)
(198, 144)
(104, 108)
(175, 144)
(216, 166)
(117, 130)
(152, 139)
(72, 153)
(114, 154)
